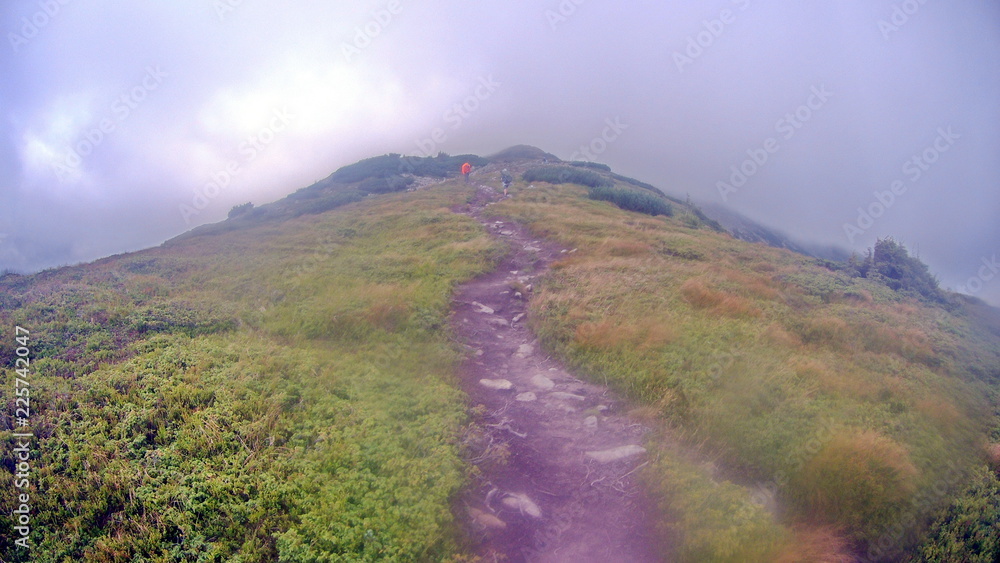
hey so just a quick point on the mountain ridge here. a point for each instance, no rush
(283, 385)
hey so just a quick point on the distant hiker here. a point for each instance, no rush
(466, 170)
(506, 178)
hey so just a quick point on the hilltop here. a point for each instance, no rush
(285, 384)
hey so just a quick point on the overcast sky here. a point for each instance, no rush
(127, 123)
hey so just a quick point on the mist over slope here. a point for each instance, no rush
(281, 384)
(749, 230)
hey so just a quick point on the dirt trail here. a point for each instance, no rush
(557, 456)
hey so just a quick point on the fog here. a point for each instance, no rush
(125, 124)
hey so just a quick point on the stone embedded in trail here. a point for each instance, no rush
(486, 520)
(498, 384)
(615, 454)
(483, 308)
(506, 233)
(517, 317)
(562, 396)
(526, 397)
(523, 504)
(590, 423)
(525, 350)
(542, 382)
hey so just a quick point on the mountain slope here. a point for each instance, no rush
(844, 401)
(281, 391)
(746, 229)
(282, 384)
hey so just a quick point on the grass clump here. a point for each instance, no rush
(859, 481)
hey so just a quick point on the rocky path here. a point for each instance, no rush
(557, 456)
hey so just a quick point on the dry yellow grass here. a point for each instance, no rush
(776, 334)
(698, 294)
(750, 285)
(816, 544)
(856, 477)
(993, 456)
(623, 248)
(941, 410)
(608, 334)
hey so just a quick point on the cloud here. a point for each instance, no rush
(367, 78)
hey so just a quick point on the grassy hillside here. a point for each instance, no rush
(280, 386)
(283, 392)
(858, 410)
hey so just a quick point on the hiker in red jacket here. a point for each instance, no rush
(466, 169)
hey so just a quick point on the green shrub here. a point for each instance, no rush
(970, 528)
(384, 185)
(393, 164)
(890, 264)
(631, 200)
(238, 210)
(592, 165)
(566, 175)
(635, 183)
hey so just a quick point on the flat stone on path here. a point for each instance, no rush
(615, 454)
(525, 350)
(483, 308)
(567, 396)
(498, 384)
(542, 382)
(523, 504)
(527, 397)
(486, 520)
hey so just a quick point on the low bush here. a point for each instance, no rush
(394, 183)
(591, 165)
(238, 210)
(970, 528)
(566, 175)
(636, 183)
(631, 200)
(393, 164)
(890, 264)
